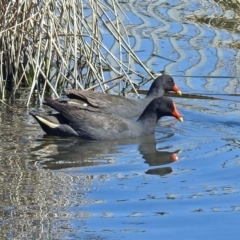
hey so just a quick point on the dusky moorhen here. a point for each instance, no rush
(91, 123)
(122, 106)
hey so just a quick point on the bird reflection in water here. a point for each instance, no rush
(157, 157)
(62, 153)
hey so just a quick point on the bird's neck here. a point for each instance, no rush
(148, 118)
(155, 92)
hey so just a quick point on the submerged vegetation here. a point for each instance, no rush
(48, 45)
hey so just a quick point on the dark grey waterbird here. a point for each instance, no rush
(94, 123)
(122, 106)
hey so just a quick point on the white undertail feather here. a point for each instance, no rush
(49, 124)
(84, 104)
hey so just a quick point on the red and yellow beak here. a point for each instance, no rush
(177, 90)
(176, 114)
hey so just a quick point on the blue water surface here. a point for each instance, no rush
(181, 183)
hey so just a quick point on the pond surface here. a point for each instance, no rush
(181, 183)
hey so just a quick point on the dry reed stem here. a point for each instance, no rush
(48, 45)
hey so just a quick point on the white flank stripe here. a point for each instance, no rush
(49, 124)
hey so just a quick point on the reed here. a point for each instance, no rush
(49, 45)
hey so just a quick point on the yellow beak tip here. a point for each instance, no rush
(180, 119)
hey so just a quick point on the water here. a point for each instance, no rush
(181, 183)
